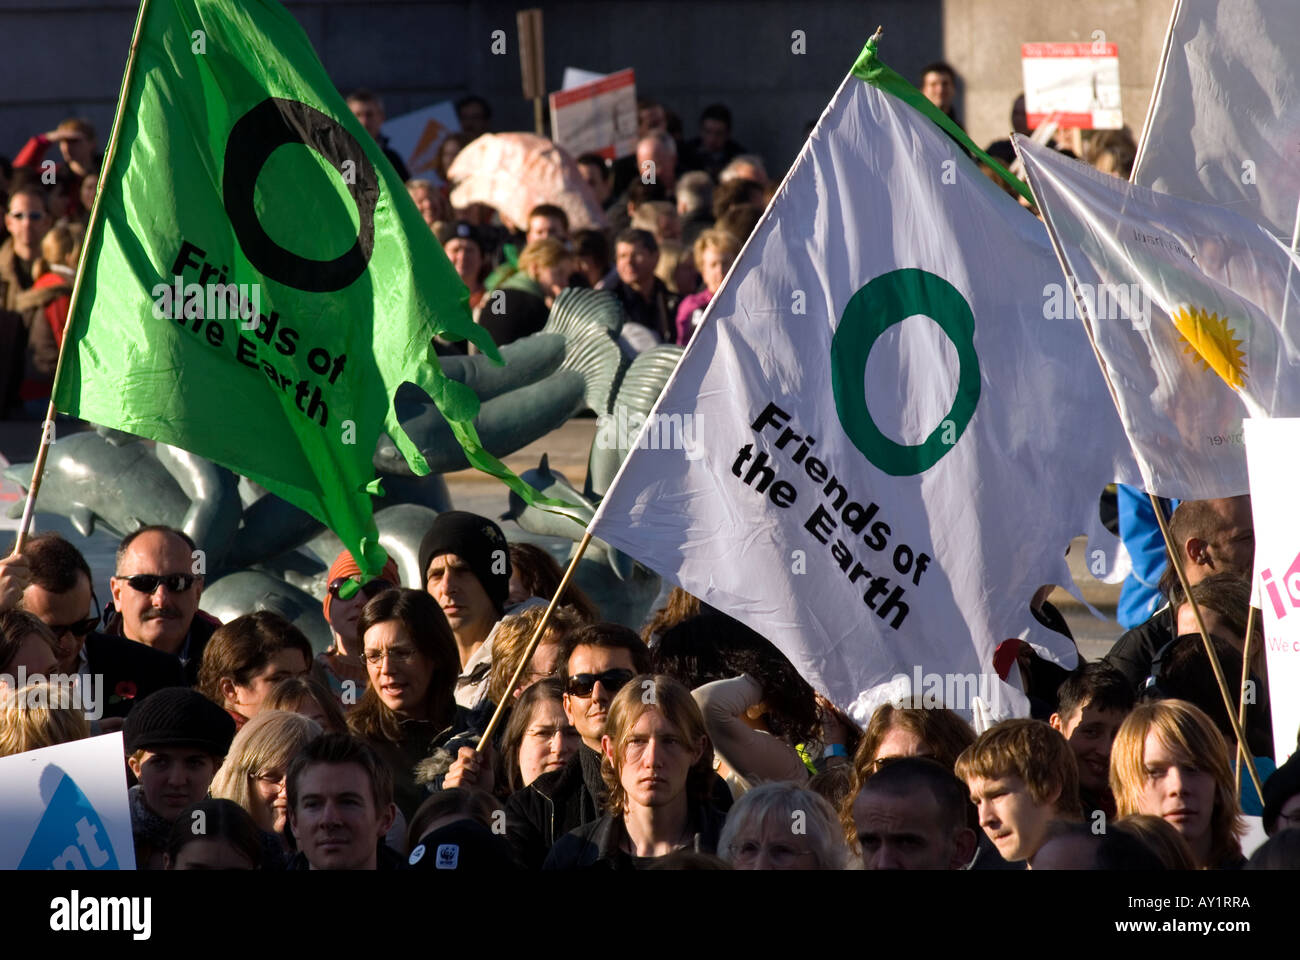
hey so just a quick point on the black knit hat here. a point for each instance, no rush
(464, 845)
(178, 717)
(1281, 786)
(476, 540)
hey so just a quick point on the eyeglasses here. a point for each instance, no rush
(345, 588)
(270, 779)
(78, 629)
(398, 655)
(32, 215)
(149, 582)
(582, 684)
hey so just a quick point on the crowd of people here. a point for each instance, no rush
(678, 211)
(694, 744)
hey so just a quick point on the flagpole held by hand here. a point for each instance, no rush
(1174, 560)
(92, 225)
(507, 697)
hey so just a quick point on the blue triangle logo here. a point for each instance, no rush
(70, 836)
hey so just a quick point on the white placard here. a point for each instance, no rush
(65, 808)
(1272, 456)
(1075, 84)
(417, 137)
(597, 117)
(577, 77)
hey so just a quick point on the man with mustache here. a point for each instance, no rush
(156, 594)
(59, 593)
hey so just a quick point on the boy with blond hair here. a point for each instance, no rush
(1022, 776)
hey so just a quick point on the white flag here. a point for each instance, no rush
(893, 445)
(1187, 305)
(1224, 123)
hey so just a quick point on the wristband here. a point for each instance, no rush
(834, 750)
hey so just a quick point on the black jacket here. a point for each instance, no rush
(131, 670)
(599, 845)
(1134, 652)
(202, 627)
(556, 803)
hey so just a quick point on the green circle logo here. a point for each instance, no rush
(885, 301)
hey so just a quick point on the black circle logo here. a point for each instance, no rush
(271, 124)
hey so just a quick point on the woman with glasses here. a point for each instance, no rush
(657, 766)
(345, 595)
(539, 737)
(254, 770)
(781, 826)
(409, 708)
(247, 657)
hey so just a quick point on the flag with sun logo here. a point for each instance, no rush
(1193, 312)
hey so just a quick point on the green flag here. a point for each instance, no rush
(257, 282)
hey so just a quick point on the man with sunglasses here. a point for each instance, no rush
(156, 596)
(60, 594)
(597, 661)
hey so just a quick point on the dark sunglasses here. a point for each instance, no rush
(81, 627)
(345, 588)
(582, 684)
(149, 582)
(78, 629)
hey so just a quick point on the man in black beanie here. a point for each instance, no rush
(175, 740)
(466, 564)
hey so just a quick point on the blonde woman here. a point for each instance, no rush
(715, 252)
(253, 774)
(38, 715)
(1169, 761)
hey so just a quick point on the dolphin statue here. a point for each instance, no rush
(215, 511)
(248, 591)
(93, 481)
(401, 528)
(515, 410)
(638, 391)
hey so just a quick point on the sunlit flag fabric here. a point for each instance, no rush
(238, 164)
(1192, 311)
(895, 446)
(1224, 121)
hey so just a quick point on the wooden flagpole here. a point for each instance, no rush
(96, 216)
(1228, 700)
(1241, 710)
(532, 643)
